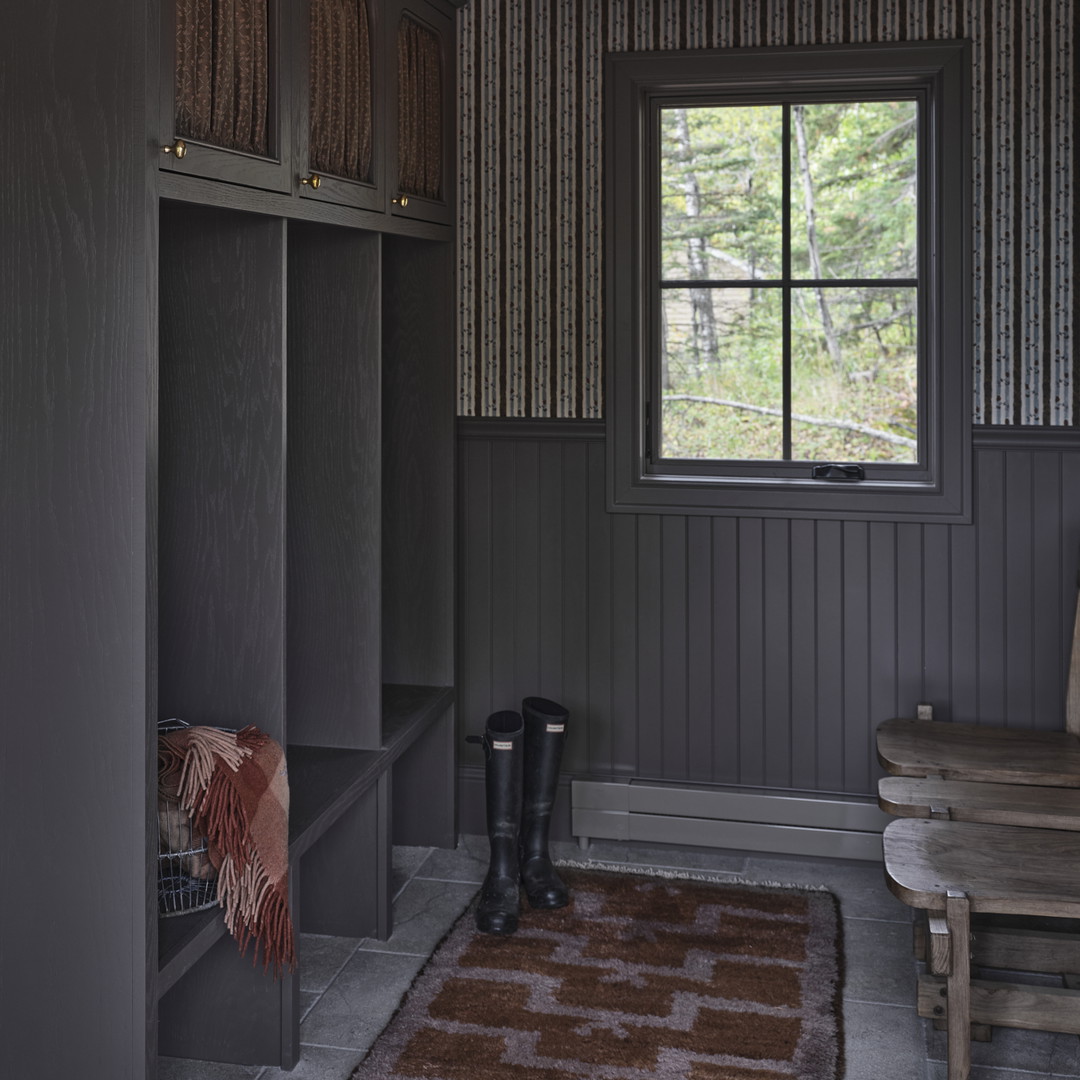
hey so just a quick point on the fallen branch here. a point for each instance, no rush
(821, 421)
(880, 324)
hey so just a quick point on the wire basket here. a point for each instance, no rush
(187, 880)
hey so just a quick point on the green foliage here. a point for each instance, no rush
(734, 156)
(862, 158)
(854, 356)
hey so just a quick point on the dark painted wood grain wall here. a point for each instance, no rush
(748, 650)
(77, 234)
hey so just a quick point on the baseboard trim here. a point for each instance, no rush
(740, 819)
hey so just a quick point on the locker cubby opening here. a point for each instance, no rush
(418, 463)
(221, 469)
(334, 475)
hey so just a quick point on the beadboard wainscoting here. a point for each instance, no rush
(758, 652)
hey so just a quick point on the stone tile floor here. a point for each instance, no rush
(351, 987)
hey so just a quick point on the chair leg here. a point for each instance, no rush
(979, 1032)
(958, 1017)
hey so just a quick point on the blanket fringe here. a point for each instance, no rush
(220, 812)
(255, 907)
(203, 753)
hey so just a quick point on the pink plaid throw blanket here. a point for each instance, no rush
(237, 791)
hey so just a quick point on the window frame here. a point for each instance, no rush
(636, 86)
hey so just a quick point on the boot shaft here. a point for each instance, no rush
(545, 735)
(504, 750)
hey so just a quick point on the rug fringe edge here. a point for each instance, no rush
(676, 874)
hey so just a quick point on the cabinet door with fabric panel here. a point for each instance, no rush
(419, 39)
(226, 89)
(340, 123)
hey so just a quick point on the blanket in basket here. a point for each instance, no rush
(236, 788)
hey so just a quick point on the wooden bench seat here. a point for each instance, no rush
(990, 804)
(956, 868)
(977, 753)
(1001, 869)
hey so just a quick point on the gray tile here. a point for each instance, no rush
(188, 1069)
(308, 1001)
(319, 1063)
(882, 1042)
(321, 958)
(937, 1070)
(475, 845)
(1065, 1057)
(859, 886)
(423, 913)
(878, 963)
(1041, 1052)
(468, 862)
(360, 1001)
(404, 863)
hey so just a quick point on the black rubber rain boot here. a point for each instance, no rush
(545, 733)
(503, 742)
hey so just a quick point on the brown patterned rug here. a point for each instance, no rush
(640, 978)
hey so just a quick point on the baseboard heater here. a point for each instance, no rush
(738, 818)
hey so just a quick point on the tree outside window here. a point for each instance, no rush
(820, 362)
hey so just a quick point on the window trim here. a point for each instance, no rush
(936, 72)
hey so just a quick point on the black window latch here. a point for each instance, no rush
(838, 472)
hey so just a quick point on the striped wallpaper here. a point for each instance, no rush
(531, 163)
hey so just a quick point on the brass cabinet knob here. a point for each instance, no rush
(314, 180)
(179, 148)
(400, 200)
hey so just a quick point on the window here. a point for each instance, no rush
(788, 307)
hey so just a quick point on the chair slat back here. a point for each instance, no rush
(1072, 692)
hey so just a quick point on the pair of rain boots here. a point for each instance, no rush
(523, 751)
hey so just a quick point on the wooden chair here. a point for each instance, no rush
(996, 814)
(1016, 947)
(953, 869)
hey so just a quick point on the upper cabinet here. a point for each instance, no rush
(348, 102)
(421, 110)
(222, 111)
(341, 148)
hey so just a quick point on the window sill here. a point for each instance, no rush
(948, 502)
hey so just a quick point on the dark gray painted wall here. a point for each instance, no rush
(756, 651)
(74, 234)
